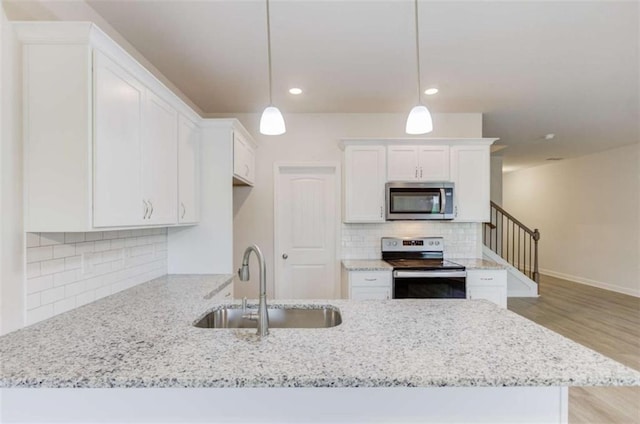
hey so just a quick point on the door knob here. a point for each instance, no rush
(285, 256)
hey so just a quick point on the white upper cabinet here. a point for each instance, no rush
(364, 179)
(101, 135)
(244, 161)
(417, 163)
(188, 171)
(117, 182)
(159, 164)
(470, 171)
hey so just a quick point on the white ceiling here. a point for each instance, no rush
(531, 67)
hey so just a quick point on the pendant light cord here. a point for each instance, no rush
(417, 46)
(269, 50)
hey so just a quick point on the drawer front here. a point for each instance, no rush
(370, 278)
(486, 278)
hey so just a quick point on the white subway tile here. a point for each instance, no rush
(117, 244)
(64, 250)
(93, 236)
(52, 266)
(52, 295)
(65, 277)
(110, 235)
(38, 254)
(86, 247)
(33, 270)
(74, 289)
(64, 305)
(103, 292)
(102, 245)
(39, 314)
(73, 262)
(73, 237)
(84, 298)
(33, 301)
(33, 239)
(39, 284)
(49, 239)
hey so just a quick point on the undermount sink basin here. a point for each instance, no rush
(279, 317)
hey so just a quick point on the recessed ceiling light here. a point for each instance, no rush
(430, 91)
(549, 136)
(295, 91)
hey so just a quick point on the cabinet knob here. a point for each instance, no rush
(285, 256)
(146, 209)
(151, 211)
(184, 210)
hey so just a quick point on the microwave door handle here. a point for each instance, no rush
(443, 202)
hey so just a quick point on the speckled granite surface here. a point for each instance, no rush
(143, 337)
(366, 265)
(475, 263)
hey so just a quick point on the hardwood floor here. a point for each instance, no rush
(604, 321)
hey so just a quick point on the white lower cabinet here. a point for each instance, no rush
(366, 285)
(488, 284)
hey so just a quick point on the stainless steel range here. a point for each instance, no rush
(420, 270)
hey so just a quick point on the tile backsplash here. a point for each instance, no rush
(68, 270)
(362, 241)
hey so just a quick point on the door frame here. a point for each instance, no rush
(336, 167)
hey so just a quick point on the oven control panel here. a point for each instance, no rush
(412, 244)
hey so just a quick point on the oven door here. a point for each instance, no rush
(429, 285)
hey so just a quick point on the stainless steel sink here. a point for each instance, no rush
(279, 317)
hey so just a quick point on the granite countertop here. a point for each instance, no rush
(143, 337)
(380, 265)
(366, 265)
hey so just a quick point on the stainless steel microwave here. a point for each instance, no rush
(419, 201)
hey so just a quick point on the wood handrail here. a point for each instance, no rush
(533, 233)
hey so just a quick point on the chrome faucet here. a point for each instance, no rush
(262, 317)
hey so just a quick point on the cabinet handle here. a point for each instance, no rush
(381, 215)
(420, 172)
(456, 211)
(184, 210)
(416, 172)
(370, 279)
(146, 209)
(246, 169)
(486, 279)
(151, 211)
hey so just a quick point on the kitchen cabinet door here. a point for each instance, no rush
(402, 163)
(471, 174)
(188, 171)
(370, 293)
(433, 163)
(243, 161)
(364, 180)
(488, 284)
(159, 164)
(118, 108)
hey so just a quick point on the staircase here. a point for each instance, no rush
(514, 245)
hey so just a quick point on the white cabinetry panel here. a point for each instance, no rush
(188, 171)
(471, 174)
(364, 184)
(364, 285)
(488, 284)
(433, 163)
(117, 197)
(159, 165)
(243, 161)
(402, 163)
(418, 163)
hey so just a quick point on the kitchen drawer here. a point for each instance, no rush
(486, 278)
(370, 278)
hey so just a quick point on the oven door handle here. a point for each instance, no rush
(429, 274)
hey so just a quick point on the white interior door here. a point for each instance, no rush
(306, 214)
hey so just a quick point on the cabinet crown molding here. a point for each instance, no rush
(448, 141)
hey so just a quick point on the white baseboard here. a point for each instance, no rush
(592, 283)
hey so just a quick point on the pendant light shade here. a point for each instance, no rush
(272, 122)
(419, 120)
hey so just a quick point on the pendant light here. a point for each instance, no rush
(271, 122)
(419, 120)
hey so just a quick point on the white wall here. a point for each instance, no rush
(496, 179)
(311, 137)
(588, 213)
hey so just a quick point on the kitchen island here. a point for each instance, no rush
(402, 358)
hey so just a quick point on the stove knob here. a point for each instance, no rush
(430, 243)
(437, 243)
(395, 243)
